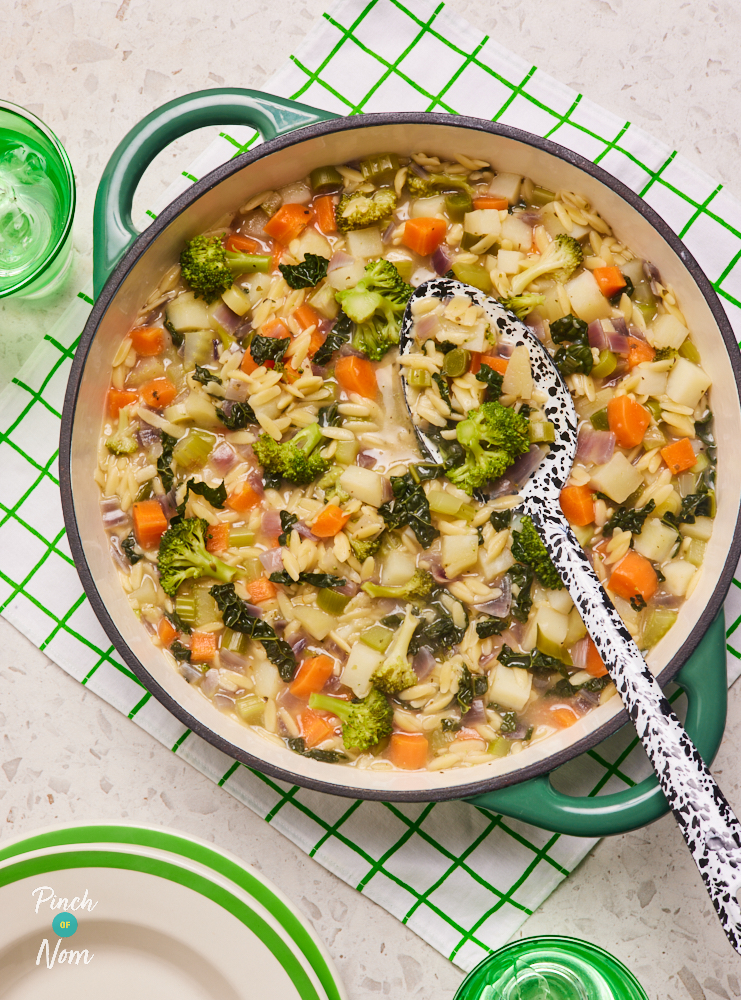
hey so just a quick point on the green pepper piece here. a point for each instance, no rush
(456, 205)
(473, 274)
(689, 351)
(599, 420)
(324, 178)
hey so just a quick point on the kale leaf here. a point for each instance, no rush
(470, 686)
(442, 385)
(128, 546)
(179, 651)
(314, 579)
(307, 274)
(265, 349)
(204, 376)
(577, 356)
(509, 722)
(409, 508)
(237, 617)
(570, 330)
(491, 626)
(174, 618)
(509, 658)
(298, 745)
(629, 519)
(240, 415)
(287, 521)
(164, 462)
(500, 519)
(693, 505)
(216, 496)
(452, 452)
(493, 381)
(338, 335)
(329, 416)
(521, 576)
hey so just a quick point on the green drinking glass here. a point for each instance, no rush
(550, 968)
(37, 203)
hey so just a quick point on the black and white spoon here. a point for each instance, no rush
(707, 822)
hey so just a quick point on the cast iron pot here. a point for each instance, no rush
(128, 267)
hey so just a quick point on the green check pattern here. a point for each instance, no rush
(462, 878)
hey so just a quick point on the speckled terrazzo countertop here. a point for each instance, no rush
(91, 70)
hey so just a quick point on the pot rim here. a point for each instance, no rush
(107, 296)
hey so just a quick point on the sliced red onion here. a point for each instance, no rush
(419, 171)
(226, 318)
(519, 733)
(365, 460)
(339, 259)
(271, 522)
(349, 589)
(618, 343)
(525, 466)
(421, 275)
(231, 660)
(113, 516)
(168, 505)
(223, 701)
(298, 642)
(348, 351)
(148, 435)
(319, 370)
(499, 607)
(210, 682)
(531, 218)
(597, 335)
(439, 573)
(223, 458)
(423, 663)
(255, 480)
(189, 673)
(586, 701)
(619, 325)
(595, 446)
(235, 391)
(440, 260)
(476, 713)
(118, 557)
(389, 232)
(501, 488)
(579, 653)
(504, 350)
(427, 326)
(305, 531)
(272, 560)
(534, 323)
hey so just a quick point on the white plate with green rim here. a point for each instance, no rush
(173, 918)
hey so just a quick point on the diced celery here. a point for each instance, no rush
(185, 604)
(331, 602)
(657, 624)
(420, 378)
(550, 648)
(324, 178)
(250, 709)
(456, 205)
(689, 351)
(541, 196)
(687, 483)
(654, 407)
(473, 274)
(583, 534)
(346, 452)
(252, 569)
(377, 637)
(145, 492)
(653, 438)
(702, 463)
(470, 240)
(457, 362)
(199, 348)
(192, 451)
(599, 420)
(240, 538)
(696, 552)
(235, 642)
(146, 370)
(444, 503)
(380, 169)
(541, 431)
(672, 505)
(205, 607)
(605, 366)
(499, 747)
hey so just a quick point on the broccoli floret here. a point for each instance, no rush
(527, 548)
(364, 722)
(295, 460)
(522, 305)
(183, 556)
(364, 547)
(376, 305)
(358, 210)
(423, 187)
(203, 264)
(122, 441)
(560, 260)
(420, 586)
(395, 672)
(492, 436)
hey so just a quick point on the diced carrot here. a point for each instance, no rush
(500, 203)
(679, 456)
(261, 590)
(118, 398)
(217, 537)
(628, 420)
(498, 364)
(274, 328)
(305, 316)
(202, 647)
(609, 279)
(594, 666)
(278, 251)
(634, 576)
(329, 521)
(409, 750)
(166, 631)
(248, 364)
(242, 244)
(158, 393)
(639, 351)
(314, 728)
(243, 497)
(424, 236)
(563, 717)
(324, 212)
(312, 675)
(288, 223)
(150, 523)
(148, 340)
(577, 503)
(316, 341)
(356, 375)
(290, 374)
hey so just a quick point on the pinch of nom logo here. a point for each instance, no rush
(64, 925)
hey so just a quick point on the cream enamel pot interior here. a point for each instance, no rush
(278, 161)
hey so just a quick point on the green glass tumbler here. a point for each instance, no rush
(550, 968)
(37, 204)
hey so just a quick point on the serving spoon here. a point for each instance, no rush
(707, 822)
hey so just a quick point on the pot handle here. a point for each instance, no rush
(703, 679)
(113, 229)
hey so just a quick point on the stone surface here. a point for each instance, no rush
(91, 70)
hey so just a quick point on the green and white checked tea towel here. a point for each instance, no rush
(464, 879)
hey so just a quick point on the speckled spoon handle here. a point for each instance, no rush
(712, 831)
